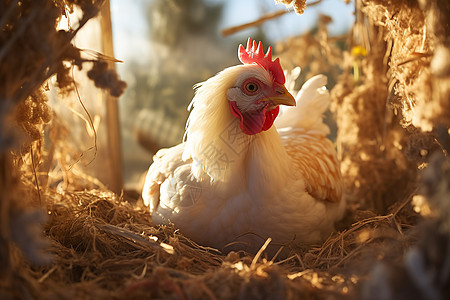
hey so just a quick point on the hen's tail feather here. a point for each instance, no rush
(312, 101)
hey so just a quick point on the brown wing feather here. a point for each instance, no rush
(315, 157)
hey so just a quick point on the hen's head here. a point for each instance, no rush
(258, 90)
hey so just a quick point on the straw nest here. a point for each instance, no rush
(58, 242)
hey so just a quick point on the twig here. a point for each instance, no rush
(351, 254)
(234, 29)
(276, 254)
(280, 262)
(403, 204)
(142, 275)
(33, 166)
(45, 276)
(413, 57)
(261, 250)
(99, 55)
(279, 13)
(300, 260)
(91, 123)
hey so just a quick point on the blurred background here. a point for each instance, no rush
(167, 46)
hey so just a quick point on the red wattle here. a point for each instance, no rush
(270, 117)
(253, 123)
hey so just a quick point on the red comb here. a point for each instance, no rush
(256, 55)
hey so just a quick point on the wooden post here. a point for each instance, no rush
(112, 111)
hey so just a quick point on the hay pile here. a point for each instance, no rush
(57, 243)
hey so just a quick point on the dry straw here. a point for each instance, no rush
(58, 242)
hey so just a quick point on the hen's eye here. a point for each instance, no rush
(251, 87)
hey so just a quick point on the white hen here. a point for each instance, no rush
(236, 177)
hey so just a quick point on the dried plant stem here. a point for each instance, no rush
(234, 29)
(261, 250)
(265, 18)
(91, 124)
(33, 167)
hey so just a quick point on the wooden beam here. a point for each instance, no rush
(112, 110)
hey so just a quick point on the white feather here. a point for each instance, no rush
(312, 101)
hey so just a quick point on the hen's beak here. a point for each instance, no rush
(280, 96)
